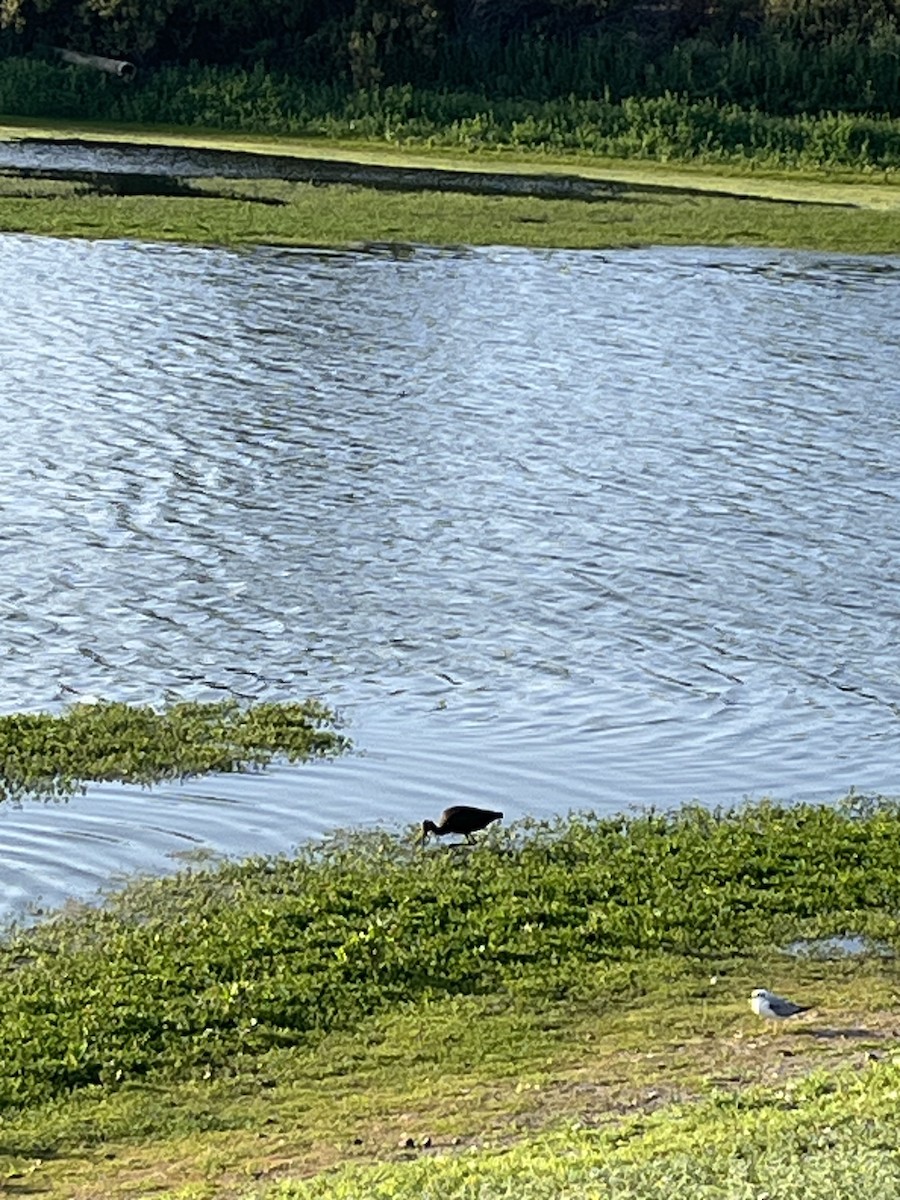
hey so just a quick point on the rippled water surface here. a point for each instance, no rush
(551, 530)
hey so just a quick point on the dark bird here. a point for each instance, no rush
(460, 818)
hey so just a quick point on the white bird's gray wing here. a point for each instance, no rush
(784, 1008)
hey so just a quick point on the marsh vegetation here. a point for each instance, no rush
(562, 1010)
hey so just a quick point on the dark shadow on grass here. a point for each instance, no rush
(123, 183)
(848, 1033)
(187, 163)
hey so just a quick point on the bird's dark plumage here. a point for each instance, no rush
(460, 818)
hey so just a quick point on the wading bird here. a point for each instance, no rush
(460, 818)
(767, 1004)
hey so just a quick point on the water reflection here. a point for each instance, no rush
(555, 529)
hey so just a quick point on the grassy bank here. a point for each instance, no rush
(632, 206)
(267, 1020)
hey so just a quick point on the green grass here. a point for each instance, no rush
(636, 203)
(293, 1015)
(354, 215)
(47, 754)
(829, 1135)
(468, 1074)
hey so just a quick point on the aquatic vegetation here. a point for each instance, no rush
(51, 755)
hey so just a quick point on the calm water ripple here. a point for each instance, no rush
(552, 530)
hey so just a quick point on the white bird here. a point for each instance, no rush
(767, 1004)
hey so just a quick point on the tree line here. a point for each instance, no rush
(377, 41)
(804, 54)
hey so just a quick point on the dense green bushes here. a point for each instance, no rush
(713, 78)
(187, 973)
(784, 57)
(665, 127)
(778, 74)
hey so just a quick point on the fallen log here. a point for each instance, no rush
(119, 67)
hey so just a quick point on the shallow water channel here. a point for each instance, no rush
(550, 529)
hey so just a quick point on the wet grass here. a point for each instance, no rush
(278, 1018)
(229, 213)
(465, 1075)
(50, 755)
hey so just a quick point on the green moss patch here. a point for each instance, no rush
(45, 754)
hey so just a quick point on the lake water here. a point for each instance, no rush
(551, 530)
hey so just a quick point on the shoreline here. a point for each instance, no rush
(368, 1011)
(840, 186)
(390, 195)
